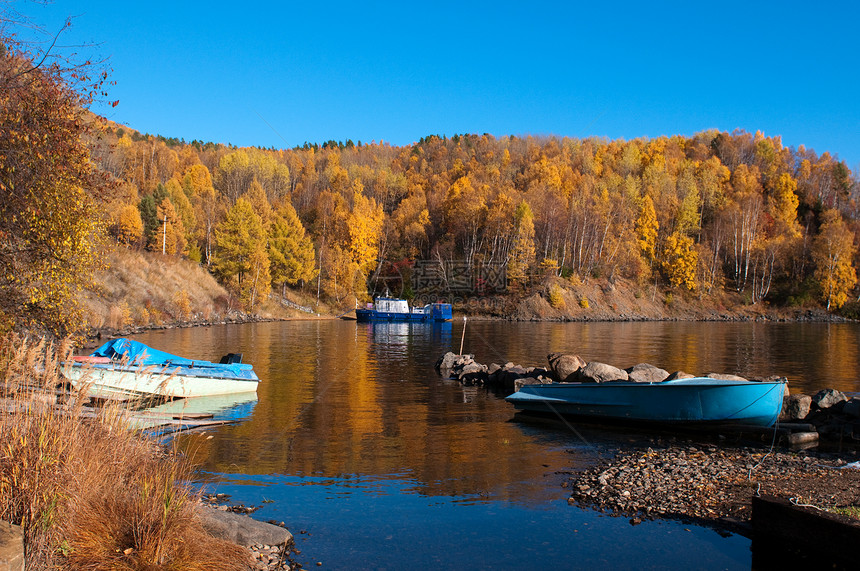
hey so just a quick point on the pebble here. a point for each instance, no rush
(271, 557)
(263, 557)
(683, 483)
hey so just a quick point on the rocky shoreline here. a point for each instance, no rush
(711, 484)
(829, 414)
(270, 545)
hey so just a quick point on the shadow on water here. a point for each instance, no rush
(356, 441)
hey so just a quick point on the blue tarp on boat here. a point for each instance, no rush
(137, 353)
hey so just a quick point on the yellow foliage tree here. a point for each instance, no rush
(687, 219)
(291, 252)
(782, 205)
(49, 225)
(363, 226)
(257, 197)
(254, 290)
(196, 180)
(185, 212)
(647, 228)
(410, 222)
(170, 238)
(128, 228)
(680, 260)
(207, 211)
(339, 273)
(464, 212)
(833, 252)
(523, 253)
(237, 170)
(240, 259)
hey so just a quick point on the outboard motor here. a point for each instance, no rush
(231, 359)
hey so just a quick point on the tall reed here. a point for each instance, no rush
(89, 492)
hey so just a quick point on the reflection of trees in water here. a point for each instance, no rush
(340, 399)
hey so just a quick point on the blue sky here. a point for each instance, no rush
(282, 73)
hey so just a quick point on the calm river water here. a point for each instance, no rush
(374, 462)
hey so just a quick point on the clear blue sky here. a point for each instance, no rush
(282, 73)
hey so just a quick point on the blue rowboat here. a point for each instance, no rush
(700, 401)
(389, 309)
(123, 368)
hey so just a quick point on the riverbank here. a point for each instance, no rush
(603, 299)
(88, 492)
(677, 476)
(144, 290)
(713, 484)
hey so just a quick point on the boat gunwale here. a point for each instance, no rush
(154, 370)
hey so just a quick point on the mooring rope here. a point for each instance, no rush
(560, 416)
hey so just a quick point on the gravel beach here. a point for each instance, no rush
(712, 484)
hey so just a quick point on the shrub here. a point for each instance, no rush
(556, 297)
(583, 302)
(850, 310)
(142, 318)
(183, 304)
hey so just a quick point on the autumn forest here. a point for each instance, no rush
(715, 211)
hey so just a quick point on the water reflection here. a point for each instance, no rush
(364, 399)
(352, 412)
(192, 412)
(341, 397)
(812, 355)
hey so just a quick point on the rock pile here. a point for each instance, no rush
(465, 369)
(834, 415)
(270, 544)
(563, 368)
(829, 413)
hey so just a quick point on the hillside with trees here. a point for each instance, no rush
(518, 227)
(477, 217)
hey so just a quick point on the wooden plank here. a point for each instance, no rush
(798, 426)
(796, 438)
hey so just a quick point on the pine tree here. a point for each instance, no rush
(291, 251)
(240, 253)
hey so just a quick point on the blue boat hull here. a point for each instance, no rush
(371, 315)
(432, 313)
(699, 401)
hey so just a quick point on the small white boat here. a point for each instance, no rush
(123, 369)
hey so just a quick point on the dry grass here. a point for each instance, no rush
(146, 288)
(89, 493)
